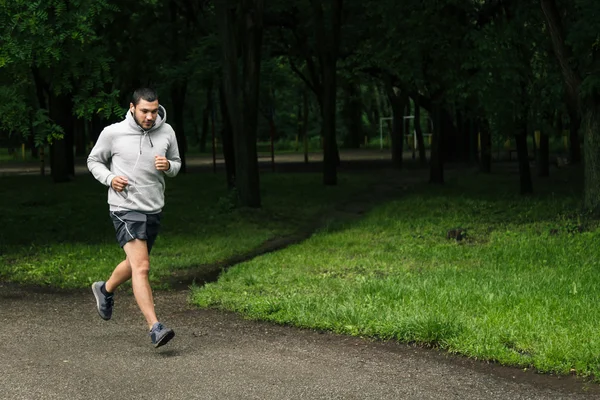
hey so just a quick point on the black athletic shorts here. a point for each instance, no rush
(131, 225)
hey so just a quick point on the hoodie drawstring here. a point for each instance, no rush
(144, 133)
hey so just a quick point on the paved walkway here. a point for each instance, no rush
(359, 158)
(54, 346)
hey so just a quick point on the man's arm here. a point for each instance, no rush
(99, 159)
(173, 156)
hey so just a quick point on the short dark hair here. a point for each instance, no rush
(147, 94)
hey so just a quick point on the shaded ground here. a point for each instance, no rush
(54, 346)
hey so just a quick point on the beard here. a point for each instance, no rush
(142, 122)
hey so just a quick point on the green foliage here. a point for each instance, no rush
(13, 109)
(486, 58)
(46, 130)
(103, 104)
(58, 41)
(41, 34)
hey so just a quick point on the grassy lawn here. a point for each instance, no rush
(61, 234)
(522, 288)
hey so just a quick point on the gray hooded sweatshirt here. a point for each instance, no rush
(125, 149)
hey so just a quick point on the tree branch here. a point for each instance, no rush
(338, 6)
(562, 52)
(301, 75)
(310, 64)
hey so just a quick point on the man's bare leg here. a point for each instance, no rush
(137, 255)
(120, 275)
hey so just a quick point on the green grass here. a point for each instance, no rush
(522, 289)
(61, 234)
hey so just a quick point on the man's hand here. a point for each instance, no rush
(161, 163)
(119, 183)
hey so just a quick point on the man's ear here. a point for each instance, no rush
(131, 108)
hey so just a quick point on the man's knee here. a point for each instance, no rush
(141, 267)
(137, 254)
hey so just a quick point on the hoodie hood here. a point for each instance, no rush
(160, 120)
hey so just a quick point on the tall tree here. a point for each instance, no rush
(327, 36)
(241, 30)
(577, 51)
(398, 99)
(319, 52)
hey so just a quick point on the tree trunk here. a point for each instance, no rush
(272, 136)
(574, 142)
(42, 162)
(419, 132)
(436, 165)
(485, 138)
(473, 129)
(590, 124)
(373, 108)
(305, 124)
(382, 110)
(451, 139)
(327, 49)
(227, 140)
(543, 156)
(398, 102)
(245, 144)
(523, 157)
(299, 127)
(588, 110)
(206, 116)
(353, 116)
(178, 92)
(328, 111)
(230, 89)
(205, 128)
(62, 161)
(96, 127)
(31, 139)
(178, 87)
(80, 137)
(447, 130)
(461, 136)
(562, 52)
(59, 169)
(242, 100)
(406, 122)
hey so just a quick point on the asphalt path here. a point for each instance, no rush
(352, 159)
(53, 345)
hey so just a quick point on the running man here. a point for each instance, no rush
(132, 158)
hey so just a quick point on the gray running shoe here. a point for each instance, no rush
(160, 334)
(104, 304)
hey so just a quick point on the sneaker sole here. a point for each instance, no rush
(165, 339)
(98, 303)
